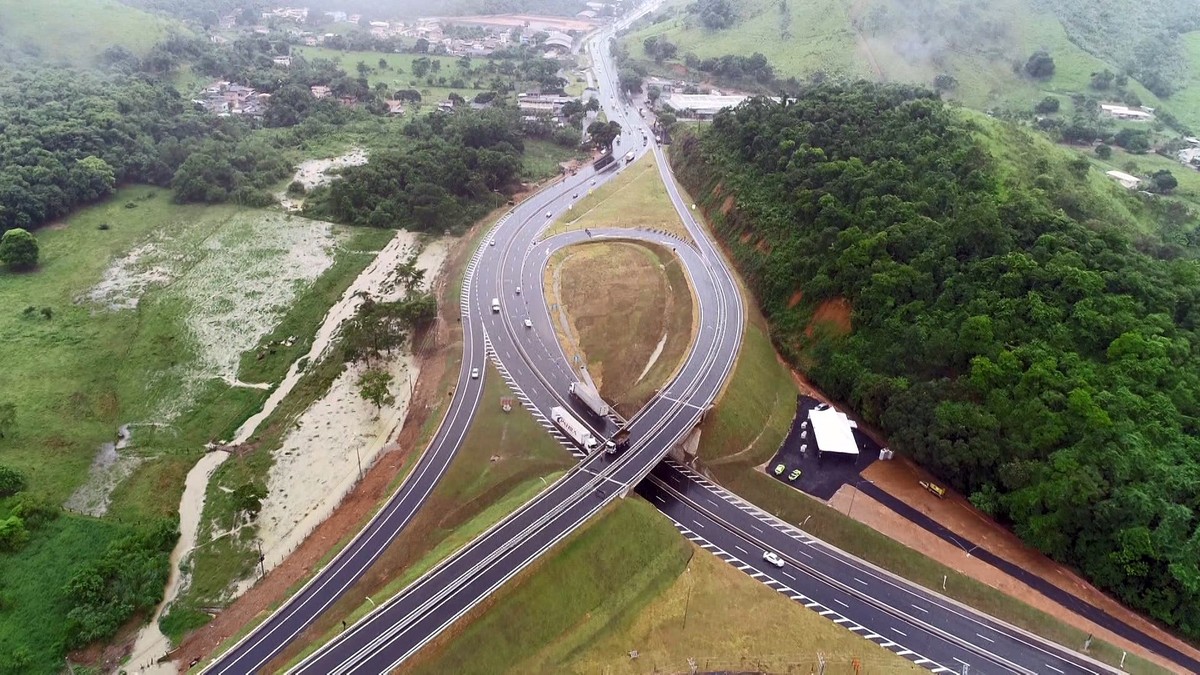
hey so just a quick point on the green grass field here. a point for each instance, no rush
(100, 368)
(76, 32)
(398, 74)
(628, 581)
(636, 198)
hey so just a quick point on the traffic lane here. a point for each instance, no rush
(303, 608)
(434, 585)
(384, 657)
(931, 610)
(903, 631)
(415, 602)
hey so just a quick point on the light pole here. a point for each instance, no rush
(858, 482)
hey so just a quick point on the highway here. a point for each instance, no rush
(922, 626)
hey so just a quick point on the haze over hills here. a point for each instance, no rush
(981, 45)
(75, 32)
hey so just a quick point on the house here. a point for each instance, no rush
(320, 91)
(1126, 181)
(702, 105)
(1121, 112)
(395, 107)
(284, 61)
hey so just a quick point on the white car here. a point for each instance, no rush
(773, 558)
(474, 373)
(549, 214)
(528, 323)
(518, 290)
(492, 242)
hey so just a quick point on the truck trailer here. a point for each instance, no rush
(604, 162)
(573, 428)
(590, 398)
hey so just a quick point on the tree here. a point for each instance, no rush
(1163, 181)
(247, 499)
(1103, 79)
(603, 134)
(630, 79)
(1048, 105)
(945, 82)
(11, 481)
(653, 93)
(19, 249)
(373, 385)
(92, 178)
(1103, 151)
(1040, 65)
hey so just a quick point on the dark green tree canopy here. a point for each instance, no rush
(1007, 333)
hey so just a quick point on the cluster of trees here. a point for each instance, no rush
(735, 67)
(451, 170)
(714, 14)
(1008, 334)
(128, 578)
(659, 48)
(1040, 65)
(19, 251)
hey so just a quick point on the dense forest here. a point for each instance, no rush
(445, 176)
(1007, 334)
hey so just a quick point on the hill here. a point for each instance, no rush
(1019, 326)
(982, 46)
(75, 32)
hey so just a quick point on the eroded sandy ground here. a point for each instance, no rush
(314, 172)
(318, 462)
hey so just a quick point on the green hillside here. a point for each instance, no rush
(906, 41)
(1021, 326)
(75, 32)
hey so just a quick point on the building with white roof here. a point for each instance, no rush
(834, 432)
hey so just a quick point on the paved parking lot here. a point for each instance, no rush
(822, 477)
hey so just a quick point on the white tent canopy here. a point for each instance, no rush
(833, 431)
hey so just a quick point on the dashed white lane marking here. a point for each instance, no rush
(920, 608)
(741, 549)
(789, 576)
(986, 638)
(1053, 668)
(804, 554)
(860, 581)
(841, 603)
(900, 632)
(961, 661)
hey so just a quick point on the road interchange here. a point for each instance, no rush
(920, 625)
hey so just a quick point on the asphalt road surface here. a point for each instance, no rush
(918, 624)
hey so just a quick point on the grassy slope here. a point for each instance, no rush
(905, 47)
(632, 579)
(646, 286)
(636, 198)
(75, 32)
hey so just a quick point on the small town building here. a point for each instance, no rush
(1126, 180)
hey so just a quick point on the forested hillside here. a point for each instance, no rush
(1011, 331)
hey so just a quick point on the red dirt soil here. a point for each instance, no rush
(836, 313)
(900, 478)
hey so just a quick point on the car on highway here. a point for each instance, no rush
(575, 196)
(549, 214)
(492, 242)
(773, 558)
(779, 469)
(474, 373)
(528, 323)
(518, 290)
(794, 474)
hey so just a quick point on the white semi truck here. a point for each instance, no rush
(590, 398)
(573, 428)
